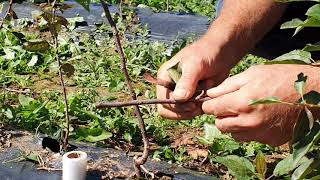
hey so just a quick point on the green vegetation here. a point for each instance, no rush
(204, 8)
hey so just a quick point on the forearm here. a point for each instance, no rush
(241, 24)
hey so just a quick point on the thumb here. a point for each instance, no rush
(187, 83)
(229, 85)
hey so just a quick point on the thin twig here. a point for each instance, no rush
(27, 91)
(7, 13)
(54, 35)
(146, 102)
(141, 160)
(152, 175)
(48, 169)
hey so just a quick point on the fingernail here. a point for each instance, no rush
(179, 94)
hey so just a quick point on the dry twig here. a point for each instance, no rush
(138, 161)
(146, 102)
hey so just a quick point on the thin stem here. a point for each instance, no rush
(146, 102)
(7, 13)
(54, 35)
(141, 160)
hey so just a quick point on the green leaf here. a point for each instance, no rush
(74, 22)
(303, 145)
(93, 135)
(283, 167)
(25, 100)
(127, 137)
(299, 24)
(33, 61)
(270, 100)
(306, 168)
(10, 54)
(310, 117)
(294, 23)
(300, 84)
(314, 11)
(85, 4)
(175, 72)
(261, 164)
(312, 97)
(1, 7)
(36, 46)
(103, 136)
(212, 132)
(239, 167)
(293, 57)
(8, 113)
(311, 47)
(223, 145)
(32, 157)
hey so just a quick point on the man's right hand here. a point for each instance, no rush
(201, 60)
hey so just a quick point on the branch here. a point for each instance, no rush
(7, 13)
(54, 35)
(146, 102)
(141, 160)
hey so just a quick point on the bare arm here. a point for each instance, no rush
(242, 23)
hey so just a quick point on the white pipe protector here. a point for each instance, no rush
(74, 165)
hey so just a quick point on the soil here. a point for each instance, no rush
(105, 163)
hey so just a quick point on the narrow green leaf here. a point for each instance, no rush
(294, 23)
(261, 164)
(310, 117)
(311, 47)
(270, 100)
(305, 168)
(293, 57)
(1, 7)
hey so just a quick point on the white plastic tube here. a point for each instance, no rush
(74, 165)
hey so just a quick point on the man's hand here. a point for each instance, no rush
(270, 124)
(239, 26)
(199, 61)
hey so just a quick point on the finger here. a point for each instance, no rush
(166, 113)
(228, 105)
(164, 93)
(229, 85)
(263, 135)
(188, 81)
(237, 124)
